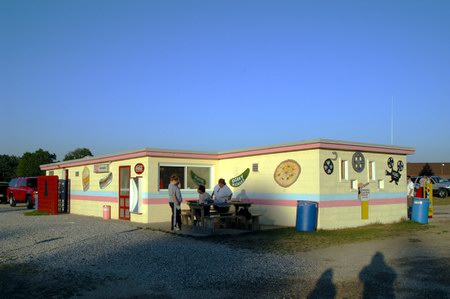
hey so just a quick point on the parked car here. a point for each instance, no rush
(441, 187)
(3, 187)
(22, 189)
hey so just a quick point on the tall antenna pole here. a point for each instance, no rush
(392, 120)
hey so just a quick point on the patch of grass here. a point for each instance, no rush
(35, 213)
(289, 240)
(441, 201)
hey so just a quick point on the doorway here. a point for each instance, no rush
(124, 192)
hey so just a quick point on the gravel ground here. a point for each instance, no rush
(69, 256)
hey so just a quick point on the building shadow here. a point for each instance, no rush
(325, 287)
(378, 278)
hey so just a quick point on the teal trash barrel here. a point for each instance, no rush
(420, 210)
(306, 216)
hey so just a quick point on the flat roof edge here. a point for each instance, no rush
(287, 147)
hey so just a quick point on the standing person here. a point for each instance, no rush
(222, 194)
(175, 200)
(410, 195)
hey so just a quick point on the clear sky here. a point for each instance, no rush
(115, 76)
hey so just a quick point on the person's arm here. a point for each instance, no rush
(178, 196)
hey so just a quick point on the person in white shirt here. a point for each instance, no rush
(222, 194)
(410, 195)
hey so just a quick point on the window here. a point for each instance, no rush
(380, 184)
(354, 184)
(12, 183)
(344, 170)
(372, 170)
(190, 176)
(32, 183)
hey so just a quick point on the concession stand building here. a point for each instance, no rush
(353, 183)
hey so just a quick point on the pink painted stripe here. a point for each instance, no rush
(339, 203)
(155, 201)
(161, 201)
(387, 201)
(354, 203)
(94, 198)
(271, 202)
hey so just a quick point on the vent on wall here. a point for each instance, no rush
(255, 167)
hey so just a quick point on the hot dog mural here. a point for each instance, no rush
(105, 181)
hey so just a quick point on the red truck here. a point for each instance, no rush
(22, 190)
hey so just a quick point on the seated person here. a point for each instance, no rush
(222, 194)
(205, 199)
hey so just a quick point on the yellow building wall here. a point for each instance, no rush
(263, 180)
(276, 204)
(158, 208)
(344, 217)
(332, 184)
(315, 185)
(90, 202)
(262, 183)
(335, 188)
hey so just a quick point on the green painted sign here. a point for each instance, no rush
(198, 180)
(240, 179)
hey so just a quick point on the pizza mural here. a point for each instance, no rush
(287, 173)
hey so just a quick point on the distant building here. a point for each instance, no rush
(441, 169)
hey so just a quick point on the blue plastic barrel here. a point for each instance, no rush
(420, 210)
(306, 216)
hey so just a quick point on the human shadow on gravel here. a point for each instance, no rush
(325, 287)
(378, 278)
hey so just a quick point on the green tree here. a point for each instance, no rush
(78, 154)
(29, 164)
(426, 170)
(8, 167)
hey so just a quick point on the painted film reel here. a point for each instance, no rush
(358, 162)
(328, 166)
(400, 166)
(390, 162)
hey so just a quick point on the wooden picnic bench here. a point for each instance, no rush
(249, 224)
(186, 217)
(214, 219)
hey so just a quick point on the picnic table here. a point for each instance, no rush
(207, 221)
(240, 205)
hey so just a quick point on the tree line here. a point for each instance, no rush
(29, 163)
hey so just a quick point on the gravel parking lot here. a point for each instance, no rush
(68, 256)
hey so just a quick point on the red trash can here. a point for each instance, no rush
(106, 212)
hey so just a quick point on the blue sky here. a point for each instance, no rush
(115, 76)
